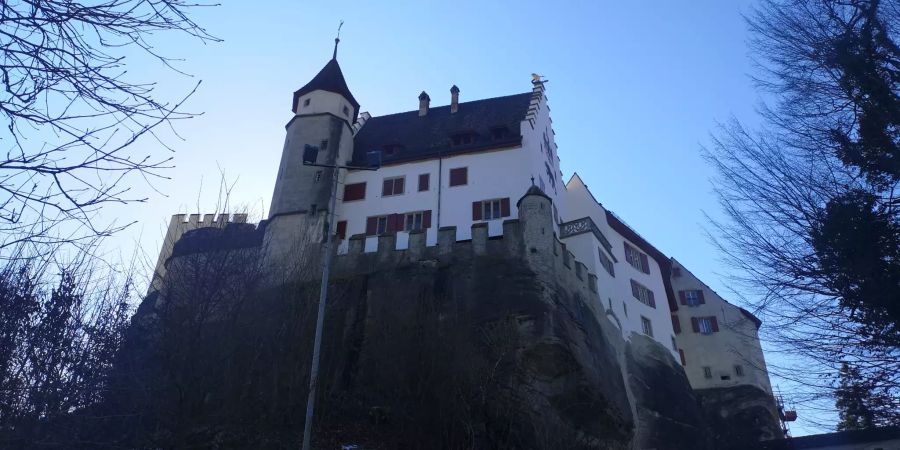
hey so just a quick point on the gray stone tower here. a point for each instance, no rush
(324, 112)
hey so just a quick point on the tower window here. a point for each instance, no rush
(707, 372)
(346, 111)
(647, 326)
(305, 103)
(738, 370)
(318, 176)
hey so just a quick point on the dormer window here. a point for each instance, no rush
(392, 149)
(498, 133)
(462, 139)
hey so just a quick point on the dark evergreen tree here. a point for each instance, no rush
(853, 402)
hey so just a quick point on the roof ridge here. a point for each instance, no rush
(416, 111)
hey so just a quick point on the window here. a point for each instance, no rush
(354, 191)
(739, 370)
(691, 297)
(306, 102)
(392, 186)
(341, 231)
(606, 263)
(317, 177)
(637, 259)
(498, 133)
(643, 294)
(676, 271)
(346, 111)
(377, 225)
(424, 180)
(725, 377)
(555, 215)
(323, 145)
(707, 372)
(705, 325)
(490, 209)
(674, 344)
(413, 221)
(625, 308)
(647, 326)
(462, 139)
(459, 176)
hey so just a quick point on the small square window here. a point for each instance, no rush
(346, 111)
(725, 377)
(647, 326)
(459, 176)
(738, 370)
(707, 372)
(305, 103)
(692, 297)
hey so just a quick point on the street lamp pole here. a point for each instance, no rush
(309, 158)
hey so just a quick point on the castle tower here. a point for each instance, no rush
(324, 112)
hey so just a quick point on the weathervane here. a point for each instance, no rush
(337, 40)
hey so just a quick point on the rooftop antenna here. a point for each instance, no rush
(337, 40)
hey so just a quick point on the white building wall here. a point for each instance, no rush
(616, 290)
(736, 342)
(491, 174)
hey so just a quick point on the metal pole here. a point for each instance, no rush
(320, 317)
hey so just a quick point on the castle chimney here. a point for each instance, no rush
(424, 100)
(454, 99)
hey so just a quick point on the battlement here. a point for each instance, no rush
(544, 253)
(206, 220)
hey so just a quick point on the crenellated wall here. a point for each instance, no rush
(180, 224)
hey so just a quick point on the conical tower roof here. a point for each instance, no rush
(330, 79)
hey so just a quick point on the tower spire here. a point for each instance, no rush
(337, 40)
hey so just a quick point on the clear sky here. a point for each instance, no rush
(635, 90)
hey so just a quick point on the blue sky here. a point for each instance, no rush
(635, 90)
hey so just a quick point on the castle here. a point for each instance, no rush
(461, 178)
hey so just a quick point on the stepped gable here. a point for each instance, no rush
(330, 79)
(421, 137)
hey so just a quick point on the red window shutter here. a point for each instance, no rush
(476, 210)
(354, 191)
(645, 264)
(341, 231)
(423, 182)
(700, 293)
(652, 299)
(695, 324)
(399, 185)
(459, 176)
(504, 207)
(371, 226)
(681, 354)
(394, 223)
(426, 219)
(387, 187)
(676, 324)
(682, 297)
(715, 324)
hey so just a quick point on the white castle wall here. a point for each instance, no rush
(736, 342)
(616, 290)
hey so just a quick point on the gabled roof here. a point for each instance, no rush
(419, 137)
(330, 79)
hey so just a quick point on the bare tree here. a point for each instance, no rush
(72, 111)
(813, 225)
